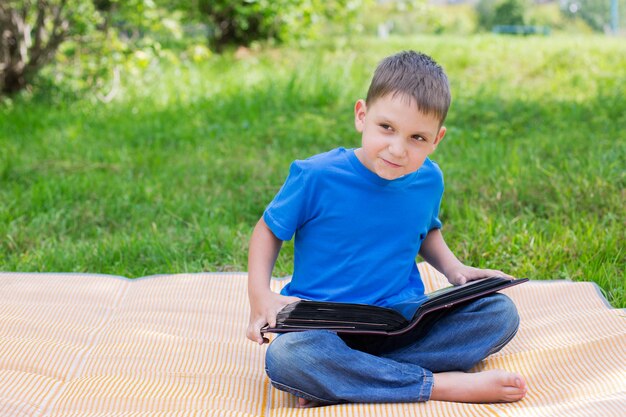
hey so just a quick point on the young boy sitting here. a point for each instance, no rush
(360, 217)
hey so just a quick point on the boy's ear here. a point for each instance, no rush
(360, 109)
(440, 135)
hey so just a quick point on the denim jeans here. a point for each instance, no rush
(322, 366)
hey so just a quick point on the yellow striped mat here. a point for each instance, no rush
(174, 345)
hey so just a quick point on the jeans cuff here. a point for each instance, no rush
(301, 394)
(426, 390)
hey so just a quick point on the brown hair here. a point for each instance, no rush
(415, 76)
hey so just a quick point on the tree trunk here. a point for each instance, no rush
(22, 57)
(13, 82)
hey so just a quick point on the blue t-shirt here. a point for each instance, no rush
(356, 234)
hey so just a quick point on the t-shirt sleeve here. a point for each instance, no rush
(288, 209)
(435, 222)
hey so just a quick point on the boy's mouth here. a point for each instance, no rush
(390, 164)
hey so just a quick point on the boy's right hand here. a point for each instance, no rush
(263, 311)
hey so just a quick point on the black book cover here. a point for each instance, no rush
(367, 319)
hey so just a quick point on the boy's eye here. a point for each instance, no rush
(419, 138)
(385, 126)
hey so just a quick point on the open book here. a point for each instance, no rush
(367, 319)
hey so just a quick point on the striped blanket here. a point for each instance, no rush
(174, 345)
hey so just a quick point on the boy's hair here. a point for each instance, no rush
(415, 76)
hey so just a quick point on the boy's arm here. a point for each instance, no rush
(264, 304)
(435, 251)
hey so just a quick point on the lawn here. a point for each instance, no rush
(172, 175)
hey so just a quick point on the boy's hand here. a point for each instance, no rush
(263, 311)
(463, 273)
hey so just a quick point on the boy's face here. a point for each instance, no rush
(396, 137)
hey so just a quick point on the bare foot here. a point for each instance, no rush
(302, 403)
(493, 386)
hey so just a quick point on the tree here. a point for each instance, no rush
(501, 12)
(31, 33)
(240, 22)
(510, 12)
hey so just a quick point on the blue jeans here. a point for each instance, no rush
(322, 366)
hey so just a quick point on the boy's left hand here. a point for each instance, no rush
(463, 273)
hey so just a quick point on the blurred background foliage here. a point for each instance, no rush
(146, 136)
(72, 46)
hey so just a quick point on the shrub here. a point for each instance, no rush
(241, 22)
(501, 12)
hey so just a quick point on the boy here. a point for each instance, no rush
(360, 218)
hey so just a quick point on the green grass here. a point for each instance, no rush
(172, 176)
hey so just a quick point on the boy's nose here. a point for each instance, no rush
(396, 147)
